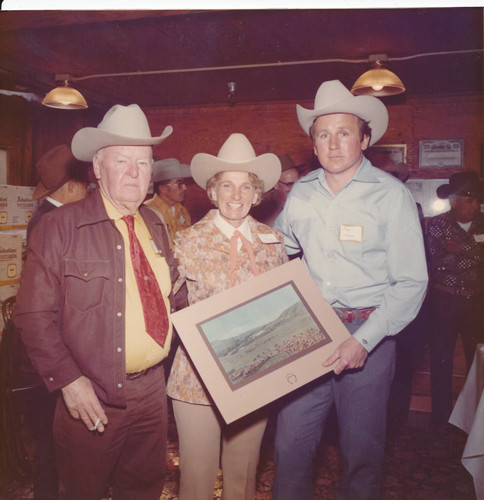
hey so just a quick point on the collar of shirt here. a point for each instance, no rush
(229, 230)
(364, 174)
(465, 226)
(54, 202)
(115, 214)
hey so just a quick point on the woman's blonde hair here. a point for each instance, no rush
(257, 183)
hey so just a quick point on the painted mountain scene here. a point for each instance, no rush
(263, 335)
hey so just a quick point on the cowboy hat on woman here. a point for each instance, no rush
(222, 250)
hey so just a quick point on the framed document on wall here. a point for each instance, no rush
(395, 152)
(441, 153)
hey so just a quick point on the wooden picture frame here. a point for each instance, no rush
(378, 153)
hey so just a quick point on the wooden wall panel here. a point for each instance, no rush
(433, 118)
(28, 130)
(16, 138)
(269, 127)
(274, 128)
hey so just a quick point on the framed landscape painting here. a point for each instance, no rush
(256, 342)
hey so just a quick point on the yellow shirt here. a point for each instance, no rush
(141, 349)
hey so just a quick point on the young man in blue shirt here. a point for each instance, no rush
(360, 235)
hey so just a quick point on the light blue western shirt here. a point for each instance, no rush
(363, 246)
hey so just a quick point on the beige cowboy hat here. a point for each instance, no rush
(334, 97)
(54, 169)
(236, 154)
(121, 126)
(170, 168)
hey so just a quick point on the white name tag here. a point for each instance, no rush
(267, 238)
(155, 248)
(350, 233)
(479, 238)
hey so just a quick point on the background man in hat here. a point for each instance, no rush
(360, 235)
(93, 308)
(456, 247)
(272, 206)
(62, 179)
(169, 184)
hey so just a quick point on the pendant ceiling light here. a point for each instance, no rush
(64, 96)
(378, 81)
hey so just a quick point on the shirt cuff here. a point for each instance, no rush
(367, 336)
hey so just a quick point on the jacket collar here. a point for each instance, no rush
(94, 211)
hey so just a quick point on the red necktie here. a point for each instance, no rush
(154, 309)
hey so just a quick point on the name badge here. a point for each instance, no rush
(350, 233)
(267, 238)
(155, 248)
(479, 238)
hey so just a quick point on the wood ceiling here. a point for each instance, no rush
(36, 45)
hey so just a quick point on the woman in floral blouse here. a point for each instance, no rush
(222, 250)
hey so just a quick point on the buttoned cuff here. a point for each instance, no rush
(367, 336)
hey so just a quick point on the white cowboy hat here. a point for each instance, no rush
(170, 168)
(121, 126)
(334, 97)
(236, 154)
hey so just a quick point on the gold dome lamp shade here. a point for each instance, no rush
(378, 81)
(64, 96)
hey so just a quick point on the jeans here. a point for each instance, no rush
(360, 397)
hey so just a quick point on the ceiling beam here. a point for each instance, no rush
(40, 83)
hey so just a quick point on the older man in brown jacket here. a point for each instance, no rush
(88, 323)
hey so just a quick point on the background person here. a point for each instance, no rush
(353, 223)
(87, 326)
(272, 206)
(456, 246)
(220, 251)
(62, 179)
(170, 179)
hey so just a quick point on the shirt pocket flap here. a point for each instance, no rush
(86, 270)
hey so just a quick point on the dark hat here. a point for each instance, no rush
(463, 184)
(287, 162)
(54, 169)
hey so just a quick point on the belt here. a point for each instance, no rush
(133, 375)
(350, 315)
(454, 291)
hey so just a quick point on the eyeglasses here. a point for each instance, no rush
(177, 184)
(287, 183)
